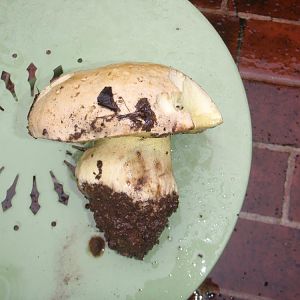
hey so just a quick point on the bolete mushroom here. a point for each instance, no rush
(129, 110)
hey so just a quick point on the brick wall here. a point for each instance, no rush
(262, 259)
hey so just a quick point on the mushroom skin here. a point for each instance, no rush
(118, 100)
(131, 189)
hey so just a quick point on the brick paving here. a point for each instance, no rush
(262, 259)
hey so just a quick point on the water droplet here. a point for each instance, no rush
(194, 265)
(211, 190)
(140, 290)
(170, 238)
(203, 269)
(224, 196)
(190, 276)
(169, 227)
(180, 248)
(170, 275)
(154, 263)
(178, 258)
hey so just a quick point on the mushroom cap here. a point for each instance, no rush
(139, 99)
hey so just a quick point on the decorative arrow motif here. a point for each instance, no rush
(31, 77)
(34, 195)
(58, 187)
(6, 203)
(5, 76)
(70, 167)
(57, 72)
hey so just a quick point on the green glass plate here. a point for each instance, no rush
(39, 261)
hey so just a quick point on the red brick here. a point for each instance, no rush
(261, 259)
(207, 3)
(269, 50)
(266, 184)
(295, 193)
(285, 9)
(228, 29)
(275, 112)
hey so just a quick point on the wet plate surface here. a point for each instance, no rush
(45, 249)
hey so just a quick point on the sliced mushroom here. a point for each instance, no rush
(127, 176)
(118, 100)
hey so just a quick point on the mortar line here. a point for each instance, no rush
(275, 147)
(217, 11)
(240, 40)
(287, 187)
(268, 220)
(250, 16)
(269, 78)
(224, 6)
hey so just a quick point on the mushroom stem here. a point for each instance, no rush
(131, 189)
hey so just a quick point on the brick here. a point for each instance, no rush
(284, 9)
(266, 184)
(271, 52)
(228, 29)
(261, 259)
(295, 193)
(275, 113)
(207, 3)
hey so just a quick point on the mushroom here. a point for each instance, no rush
(129, 110)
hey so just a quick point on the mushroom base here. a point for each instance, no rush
(131, 228)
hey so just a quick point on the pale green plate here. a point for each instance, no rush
(43, 262)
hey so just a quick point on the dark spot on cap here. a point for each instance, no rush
(158, 166)
(77, 135)
(106, 99)
(96, 246)
(143, 118)
(167, 152)
(45, 132)
(174, 127)
(138, 153)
